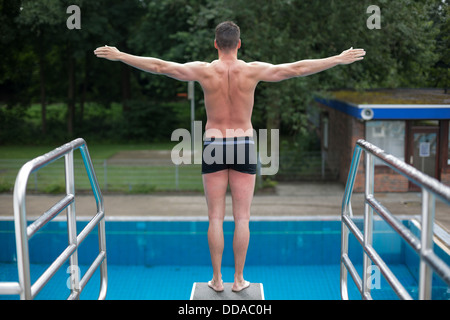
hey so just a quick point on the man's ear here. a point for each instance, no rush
(215, 44)
(239, 44)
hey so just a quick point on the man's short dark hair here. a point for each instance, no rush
(227, 35)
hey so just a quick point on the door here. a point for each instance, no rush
(423, 151)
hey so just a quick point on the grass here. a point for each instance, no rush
(124, 178)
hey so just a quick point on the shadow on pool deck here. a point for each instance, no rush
(289, 199)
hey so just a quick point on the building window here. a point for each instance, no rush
(387, 135)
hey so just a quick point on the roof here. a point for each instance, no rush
(390, 104)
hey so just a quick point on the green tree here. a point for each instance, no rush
(40, 19)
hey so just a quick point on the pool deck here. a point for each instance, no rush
(289, 200)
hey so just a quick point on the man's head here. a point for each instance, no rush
(227, 36)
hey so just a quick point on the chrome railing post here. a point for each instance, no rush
(72, 223)
(20, 225)
(429, 261)
(426, 273)
(24, 287)
(344, 254)
(101, 225)
(347, 212)
(368, 222)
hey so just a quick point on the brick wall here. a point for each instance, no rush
(343, 132)
(386, 180)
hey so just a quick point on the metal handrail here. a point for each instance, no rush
(429, 261)
(24, 287)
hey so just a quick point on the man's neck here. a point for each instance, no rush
(228, 56)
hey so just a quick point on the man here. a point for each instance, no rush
(229, 85)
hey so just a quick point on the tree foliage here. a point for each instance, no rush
(43, 62)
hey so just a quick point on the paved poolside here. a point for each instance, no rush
(289, 199)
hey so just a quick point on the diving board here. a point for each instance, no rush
(201, 291)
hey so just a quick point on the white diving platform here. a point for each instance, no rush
(201, 291)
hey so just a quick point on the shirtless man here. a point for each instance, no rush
(229, 85)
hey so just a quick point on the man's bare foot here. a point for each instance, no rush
(216, 285)
(240, 285)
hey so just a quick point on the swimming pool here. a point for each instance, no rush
(294, 259)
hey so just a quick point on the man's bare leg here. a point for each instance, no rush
(215, 185)
(242, 186)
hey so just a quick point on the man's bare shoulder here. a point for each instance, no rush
(200, 64)
(256, 69)
(258, 64)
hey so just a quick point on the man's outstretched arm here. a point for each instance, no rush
(275, 73)
(185, 72)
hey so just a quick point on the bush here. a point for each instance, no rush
(13, 126)
(150, 122)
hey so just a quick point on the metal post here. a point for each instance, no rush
(426, 273)
(71, 223)
(347, 211)
(35, 182)
(176, 177)
(20, 224)
(191, 96)
(429, 261)
(24, 233)
(344, 252)
(105, 175)
(368, 223)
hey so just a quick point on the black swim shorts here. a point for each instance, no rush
(237, 153)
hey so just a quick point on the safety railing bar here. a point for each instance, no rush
(10, 288)
(96, 220)
(438, 266)
(399, 289)
(92, 177)
(103, 267)
(88, 275)
(346, 201)
(404, 232)
(49, 215)
(389, 276)
(49, 157)
(354, 229)
(52, 269)
(351, 269)
(89, 227)
(23, 233)
(94, 266)
(416, 176)
(422, 247)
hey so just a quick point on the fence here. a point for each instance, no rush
(127, 175)
(147, 175)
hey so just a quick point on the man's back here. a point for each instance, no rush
(229, 96)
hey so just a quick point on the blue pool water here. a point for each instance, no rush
(162, 259)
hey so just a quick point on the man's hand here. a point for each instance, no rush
(110, 53)
(351, 55)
